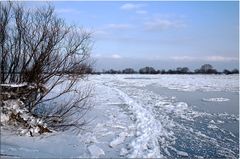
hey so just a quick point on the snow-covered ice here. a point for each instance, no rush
(186, 82)
(216, 99)
(14, 85)
(128, 120)
(95, 151)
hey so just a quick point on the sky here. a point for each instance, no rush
(162, 34)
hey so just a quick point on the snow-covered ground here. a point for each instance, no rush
(130, 120)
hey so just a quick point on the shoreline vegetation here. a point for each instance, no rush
(204, 69)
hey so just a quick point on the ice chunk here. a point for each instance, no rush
(212, 122)
(95, 151)
(120, 139)
(123, 152)
(166, 151)
(119, 127)
(4, 118)
(91, 139)
(182, 153)
(220, 121)
(25, 116)
(201, 134)
(24, 131)
(15, 106)
(211, 126)
(36, 130)
(215, 99)
(32, 121)
(39, 121)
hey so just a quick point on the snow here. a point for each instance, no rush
(57, 145)
(211, 126)
(15, 107)
(14, 85)
(95, 151)
(130, 121)
(4, 118)
(123, 152)
(120, 139)
(185, 82)
(220, 122)
(145, 143)
(181, 153)
(212, 122)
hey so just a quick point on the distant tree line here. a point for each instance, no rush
(204, 69)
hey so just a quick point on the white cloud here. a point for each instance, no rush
(119, 26)
(131, 6)
(220, 58)
(116, 56)
(163, 24)
(183, 58)
(111, 56)
(206, 58)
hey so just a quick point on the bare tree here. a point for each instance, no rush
(40, 49)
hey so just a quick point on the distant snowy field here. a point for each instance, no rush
(148, 116)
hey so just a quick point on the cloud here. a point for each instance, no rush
(111, 56)
(119, 26)
(206, 58)
(131, 6)
(221, 58)
(116, 56)
(183, 58)
(159, 24)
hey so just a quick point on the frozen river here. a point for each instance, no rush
(182, 115)
(195, 116)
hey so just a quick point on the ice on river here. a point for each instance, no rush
(216, 99)
(129, 120)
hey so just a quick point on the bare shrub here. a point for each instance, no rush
(40, 49)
